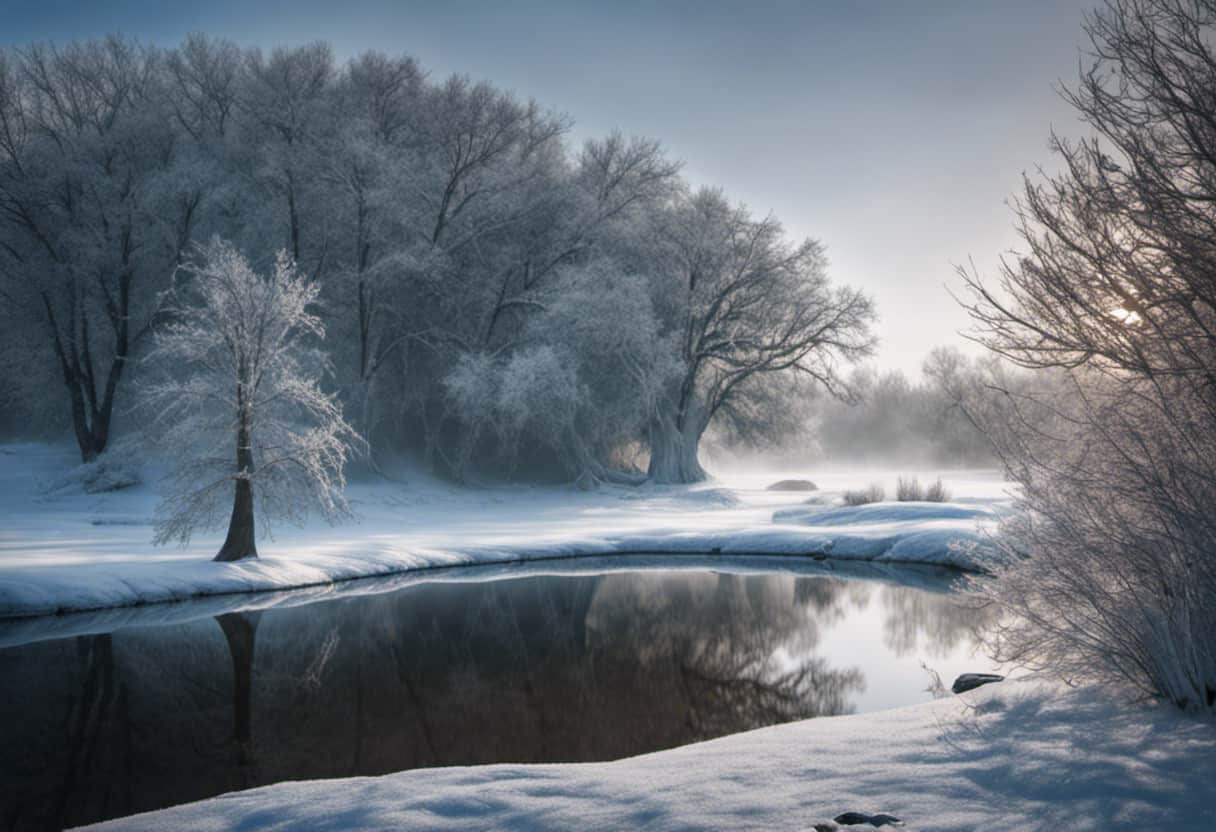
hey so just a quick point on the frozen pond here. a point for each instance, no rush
(528, 667)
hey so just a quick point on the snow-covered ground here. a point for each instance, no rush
(64, 548)
(1012, 756)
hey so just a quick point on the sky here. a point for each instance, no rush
(893, 132)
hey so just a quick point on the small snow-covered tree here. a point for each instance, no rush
(241, 405)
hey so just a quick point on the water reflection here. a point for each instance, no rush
(527, 670)
(937, 624)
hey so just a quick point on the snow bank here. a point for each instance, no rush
(78, 550)
(873, 513)
(955, 534)
(1008, 756)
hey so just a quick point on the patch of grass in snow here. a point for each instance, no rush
(874, 493)
(909, 490)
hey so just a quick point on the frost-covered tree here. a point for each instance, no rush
(743, 306)
(566, 286)
(1111, 568)
(97, 199)
(240, 403)
(365, 165)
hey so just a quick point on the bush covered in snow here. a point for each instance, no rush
(106, 473)
(873, 493)
(909, 490)
(1110, 568)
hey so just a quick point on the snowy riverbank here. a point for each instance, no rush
(1013, 756)
(65, 549)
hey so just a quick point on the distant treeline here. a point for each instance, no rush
(885, 418)
(902, 421)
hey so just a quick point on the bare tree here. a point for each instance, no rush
(284, 96)
(93, 213)
(204, 76)
(1111, 572)
(245, 379)
(743, 306)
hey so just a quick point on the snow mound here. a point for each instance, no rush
(909, 512)
(952, 534)
(713, 497)
(793, 485)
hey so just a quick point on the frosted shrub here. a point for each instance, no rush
(937, 492)
(873, 493)
(909, 490)
(1109, 568)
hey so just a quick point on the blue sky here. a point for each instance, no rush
(894, 132)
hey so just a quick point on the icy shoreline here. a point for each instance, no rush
(16, 631)
(67, 551)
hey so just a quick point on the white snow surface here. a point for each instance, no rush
(1011, 756)
(65, 548)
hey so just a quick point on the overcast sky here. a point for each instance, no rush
(894, 132)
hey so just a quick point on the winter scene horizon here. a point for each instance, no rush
(577, 416)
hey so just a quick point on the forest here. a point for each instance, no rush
(493, 298)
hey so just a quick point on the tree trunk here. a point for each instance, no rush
(240, 542)
(673, 450)
(86, 440)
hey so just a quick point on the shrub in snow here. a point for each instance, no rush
(103, 474)
(937, 492)
(1108, 567)
(874, 493)
(910, 491)
(1110, 564)
(239, 403)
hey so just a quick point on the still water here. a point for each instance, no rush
(538, 668)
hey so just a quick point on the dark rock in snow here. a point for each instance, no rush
(971, 681)
(826, 826)
(793, 485)
(858, 818)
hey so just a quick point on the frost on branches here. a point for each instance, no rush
(239, 403)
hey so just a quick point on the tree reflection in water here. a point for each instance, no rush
(525, 670)
(240, 630)
(937, 623)
(722, 640)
